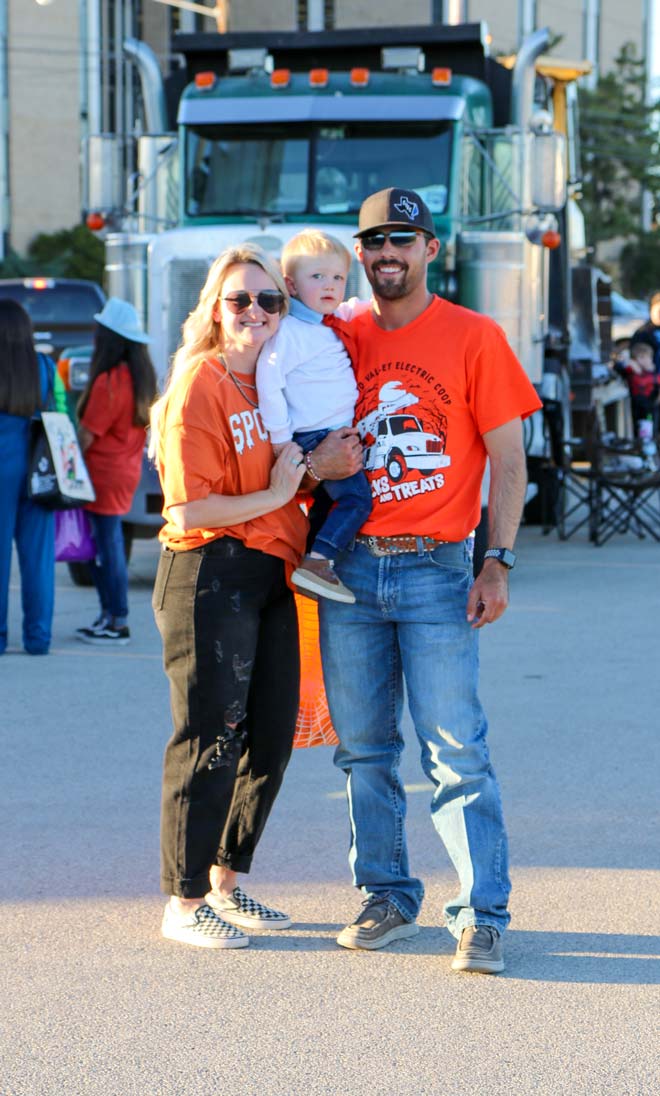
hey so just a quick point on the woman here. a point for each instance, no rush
(227, 618)
(113, 412)
(26, 385)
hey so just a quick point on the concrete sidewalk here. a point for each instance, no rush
(95, 1002)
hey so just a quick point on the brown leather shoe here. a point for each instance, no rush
(317, 576)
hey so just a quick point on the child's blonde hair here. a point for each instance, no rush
(310, 242)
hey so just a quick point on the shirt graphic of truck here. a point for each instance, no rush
(400, 441)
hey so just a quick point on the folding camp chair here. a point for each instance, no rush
(626, 495)
(609, 485)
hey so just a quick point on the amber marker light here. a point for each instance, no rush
(280, 78)
(205, 80)
(95, 221)
(441, 77)
(551, 240)
(360, 77)
(318, 78)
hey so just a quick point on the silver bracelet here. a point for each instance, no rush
(308, 466)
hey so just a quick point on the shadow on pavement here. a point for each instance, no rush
(600, 958)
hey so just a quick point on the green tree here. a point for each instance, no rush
(620, 150)
(70, 253)
(640, 265)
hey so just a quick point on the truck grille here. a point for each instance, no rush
(184, 279)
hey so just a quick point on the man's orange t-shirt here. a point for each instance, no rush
(213, 442)
(428, 391)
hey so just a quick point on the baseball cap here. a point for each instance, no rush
(394, 206)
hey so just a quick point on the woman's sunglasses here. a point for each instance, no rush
(270, 300)
(375, 241)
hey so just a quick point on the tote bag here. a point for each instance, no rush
(57, 474)
(74, 542)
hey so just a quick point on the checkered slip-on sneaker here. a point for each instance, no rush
(239, 909)
(202, 928)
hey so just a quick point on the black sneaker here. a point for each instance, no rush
(106, 635)
(379, 924)
(98, 623)
(480, 950)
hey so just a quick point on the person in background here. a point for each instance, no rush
(233, 534)
(113, 414)
(649, 332)
(643, 381)
(26, 386)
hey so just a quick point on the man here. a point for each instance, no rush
(440, 390)
(650, 331)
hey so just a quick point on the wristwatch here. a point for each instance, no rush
(503, 555)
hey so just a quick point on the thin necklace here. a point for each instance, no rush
(239, 384)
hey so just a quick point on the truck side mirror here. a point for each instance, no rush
(548, 175)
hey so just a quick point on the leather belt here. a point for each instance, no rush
(397, 545)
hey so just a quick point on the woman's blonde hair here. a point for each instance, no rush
(201, 334)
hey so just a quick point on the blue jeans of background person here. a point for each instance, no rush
(352, 498)
(109, 570)
(33, 529)
(409, 623)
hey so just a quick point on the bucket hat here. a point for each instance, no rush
(120, 316)
(395, 206)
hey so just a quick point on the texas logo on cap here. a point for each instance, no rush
(404, 205)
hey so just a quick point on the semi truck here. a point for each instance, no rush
(260, 134)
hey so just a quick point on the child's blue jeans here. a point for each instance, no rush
(352, 498)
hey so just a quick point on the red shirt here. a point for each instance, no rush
(114, 459)
(428, 391)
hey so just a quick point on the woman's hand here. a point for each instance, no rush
(287, 472)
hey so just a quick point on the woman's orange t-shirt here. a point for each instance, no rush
(213, 442)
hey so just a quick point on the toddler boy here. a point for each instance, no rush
(643, 381)
(307, 388)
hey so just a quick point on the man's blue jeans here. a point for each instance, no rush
(409, 622)
(109, 569)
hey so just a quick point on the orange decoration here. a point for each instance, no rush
(314, 726)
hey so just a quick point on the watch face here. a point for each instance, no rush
(504, 555)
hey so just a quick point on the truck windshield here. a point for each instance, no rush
(298, 169)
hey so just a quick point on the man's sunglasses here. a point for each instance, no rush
(375, 241)
(271, 300)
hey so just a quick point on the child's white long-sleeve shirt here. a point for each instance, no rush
(305, 378)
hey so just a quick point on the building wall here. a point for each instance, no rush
(44, 109)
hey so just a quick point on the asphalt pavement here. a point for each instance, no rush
(95, 1003)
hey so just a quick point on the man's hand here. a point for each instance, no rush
(489, 595)
(339, 455)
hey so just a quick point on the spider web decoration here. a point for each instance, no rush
(314, 726)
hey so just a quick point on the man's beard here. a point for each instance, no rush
(389, 289)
